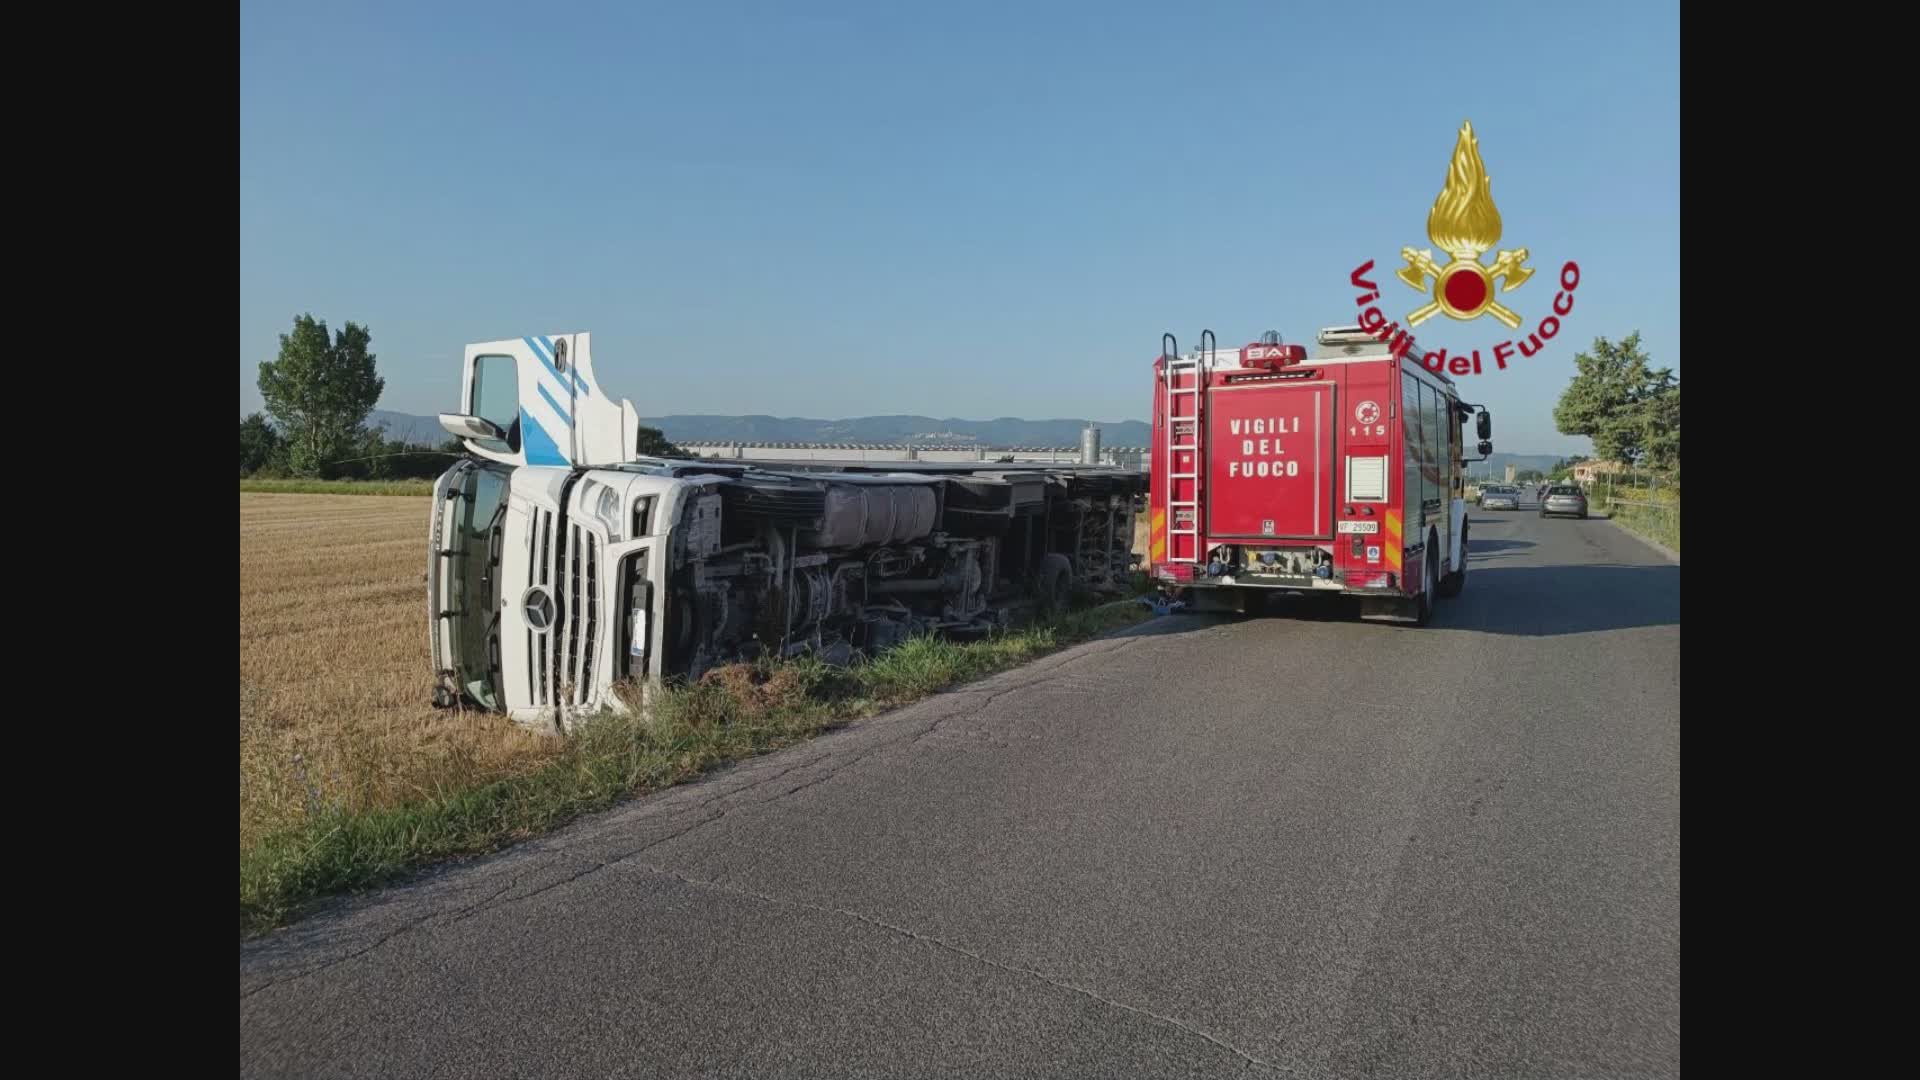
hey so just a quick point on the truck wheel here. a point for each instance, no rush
(1053, 583)
(1451, 585)
(1423, 607)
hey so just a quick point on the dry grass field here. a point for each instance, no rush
(349, 778)
(334, 672)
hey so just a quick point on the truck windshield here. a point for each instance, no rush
(475, 541)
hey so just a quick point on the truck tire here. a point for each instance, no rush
(1053, 584)
(1451, 585)
(1423, 607)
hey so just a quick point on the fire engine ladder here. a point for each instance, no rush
(1183, 404)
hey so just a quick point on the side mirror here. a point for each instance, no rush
(1486, 448)
(471, 427)
(1484, 426)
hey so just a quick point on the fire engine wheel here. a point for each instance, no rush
(1451, 585)
(1423, 607)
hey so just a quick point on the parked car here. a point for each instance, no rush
(1500, 498)
(1564, 499)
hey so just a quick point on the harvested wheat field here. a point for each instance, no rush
(334, 671)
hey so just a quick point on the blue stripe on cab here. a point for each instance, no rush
(545, 356)
(557, 407)
(578, 375)
(538, 443)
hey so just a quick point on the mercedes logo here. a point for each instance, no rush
(537, 605)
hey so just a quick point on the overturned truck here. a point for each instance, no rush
(563, 564)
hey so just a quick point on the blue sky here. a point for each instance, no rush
(970, 210)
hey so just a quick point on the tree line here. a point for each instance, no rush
(1629, 408)
(318, 392)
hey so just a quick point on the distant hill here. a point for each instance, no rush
(1520, 463)
(921, 430)
(403, 427)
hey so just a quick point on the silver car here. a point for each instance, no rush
(1563, 499)
(1500, 498)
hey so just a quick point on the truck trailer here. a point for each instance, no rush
(568, 573)
(1340, 472)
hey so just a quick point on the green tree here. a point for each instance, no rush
(652, 442)
(1629, 409)
(379, 454)
(319, 392)
(259, 445)
(1661, 447)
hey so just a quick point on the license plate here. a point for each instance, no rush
(1359, 526)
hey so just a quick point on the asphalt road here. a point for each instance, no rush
(1287, 845)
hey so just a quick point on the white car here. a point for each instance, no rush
(1499, 497)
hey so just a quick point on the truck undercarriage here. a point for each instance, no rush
(840, 563)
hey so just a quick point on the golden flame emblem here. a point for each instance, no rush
(1464, 223)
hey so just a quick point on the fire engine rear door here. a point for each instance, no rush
(1270, 461)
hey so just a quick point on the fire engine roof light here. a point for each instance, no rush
(1271, 356)
(1345, 335)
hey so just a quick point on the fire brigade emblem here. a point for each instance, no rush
(1464, 223)
(1367, 412)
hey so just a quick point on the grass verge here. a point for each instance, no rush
(732, 713)
(337, 487)
(1659, 524)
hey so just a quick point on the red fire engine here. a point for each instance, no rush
(1342, 473)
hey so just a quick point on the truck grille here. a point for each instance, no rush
(561, 657)
(582, 621)
(539, 642)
